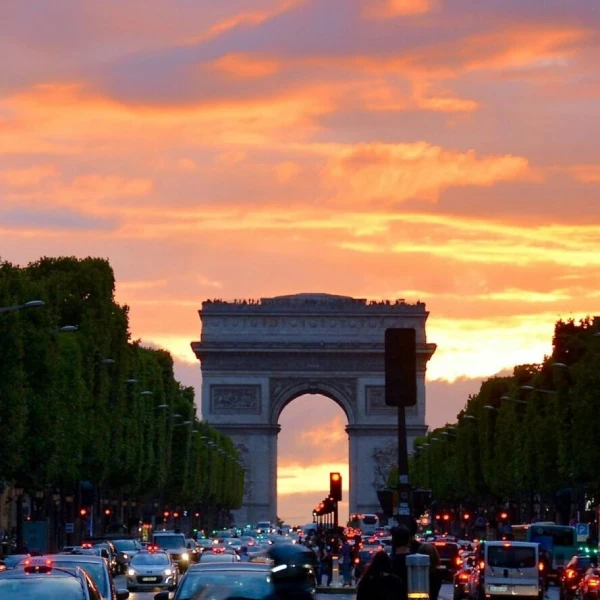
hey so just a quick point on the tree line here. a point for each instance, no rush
(92, 404)
(527, 440)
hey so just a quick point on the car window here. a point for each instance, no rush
(251, 585)
(124, 545)
(511, 557)
(95, 570)
(38, 588)
(168, 542)
(92, 589)
(150, 559)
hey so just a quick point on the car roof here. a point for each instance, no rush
(226, 566)
(77, 558)
(58, 572)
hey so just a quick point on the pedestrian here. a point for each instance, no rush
(378, 582)
(346, 560)
(326, 564)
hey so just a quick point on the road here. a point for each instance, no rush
(445, 594)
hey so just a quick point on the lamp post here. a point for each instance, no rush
(30, 304)
(18, 495)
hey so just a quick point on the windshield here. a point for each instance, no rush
(370, 519)
(224, 584)
(447, 550)
(169, 542)
(126, 545)
(95, 570)
(511, 557)
(150, 559)
(42, 588)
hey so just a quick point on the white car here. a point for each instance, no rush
(152, 569)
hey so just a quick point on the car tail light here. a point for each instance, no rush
(459, 561)
(463, 576)
(541, 566)
(570, 573)
(594, 582)
(482, 564)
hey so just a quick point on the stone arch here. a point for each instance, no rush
(257, 356)
(283, 391)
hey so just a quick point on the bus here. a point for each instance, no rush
(559, 540)
(367, 523)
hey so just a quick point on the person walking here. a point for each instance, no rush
(346, 559)
(326, 564)
(378, 582)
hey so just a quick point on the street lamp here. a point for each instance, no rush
(161, 406)
(68, 328)
(107, 361)
(489, 407)
(131, 380)
(146, 393)
(470, 417)
(30, 304)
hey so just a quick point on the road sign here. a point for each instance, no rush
(69, 528)
(583, 531)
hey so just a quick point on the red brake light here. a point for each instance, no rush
(541, 566)
(482, 564)
(463, 576)
(570, 573)
(459, 561)
(86, 545)
(594, 581)
(38, 565)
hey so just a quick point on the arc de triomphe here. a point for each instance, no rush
(258, 356)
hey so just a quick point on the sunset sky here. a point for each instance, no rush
(434, 150)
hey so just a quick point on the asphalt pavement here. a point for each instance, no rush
(445, 593)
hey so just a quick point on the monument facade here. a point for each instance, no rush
(258, 356)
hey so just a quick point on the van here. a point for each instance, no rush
(512, 569)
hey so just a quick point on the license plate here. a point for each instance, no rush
(498, 588)
(148, 578)
(442, 566)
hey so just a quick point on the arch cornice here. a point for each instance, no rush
(342, 390)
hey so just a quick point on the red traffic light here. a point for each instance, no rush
(504, 515)
(107, 511)
(335, 486)
(466, 516)
(176, 515)
(196, 515)
(446, 517)
(83, 512)
(166, 514)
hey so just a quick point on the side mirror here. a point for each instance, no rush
(161, 596)
(122, 594)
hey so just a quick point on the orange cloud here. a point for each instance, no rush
(28, 176)
(386, 9)
(244, 65)
(585, 173)
(327, 434)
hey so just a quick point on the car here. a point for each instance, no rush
(174, 544)
(97, 568)
(39, 579)
(151, 569)
(461, 579)
(12, 560)
(589, 586)
(572, 574)
(125, 548)
(250, 581)
(222, 557)
(450, 560)
(194, 550)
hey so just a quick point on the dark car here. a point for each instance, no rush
(97, 568)
(39, 579)
(572, 575)
(589, 586)
(125, 548)
(462, 578)
(175, 545)
(250, 581)
(450, 560)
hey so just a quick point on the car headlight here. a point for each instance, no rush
(125, 556)
(168, 572)
(130, 572)
(185, 556)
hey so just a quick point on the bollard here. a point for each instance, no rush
(417, 575)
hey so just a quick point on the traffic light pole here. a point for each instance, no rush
(404, 517)
(335, 515)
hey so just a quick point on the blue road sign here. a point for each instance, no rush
(583, 531)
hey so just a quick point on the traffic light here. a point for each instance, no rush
(400, 366)
(107, 512)
(335, 486)
(83, 512)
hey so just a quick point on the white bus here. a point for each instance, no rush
(367, 523)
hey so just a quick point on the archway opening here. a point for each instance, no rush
(312, 443)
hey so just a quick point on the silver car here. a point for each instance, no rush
(152, 569)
